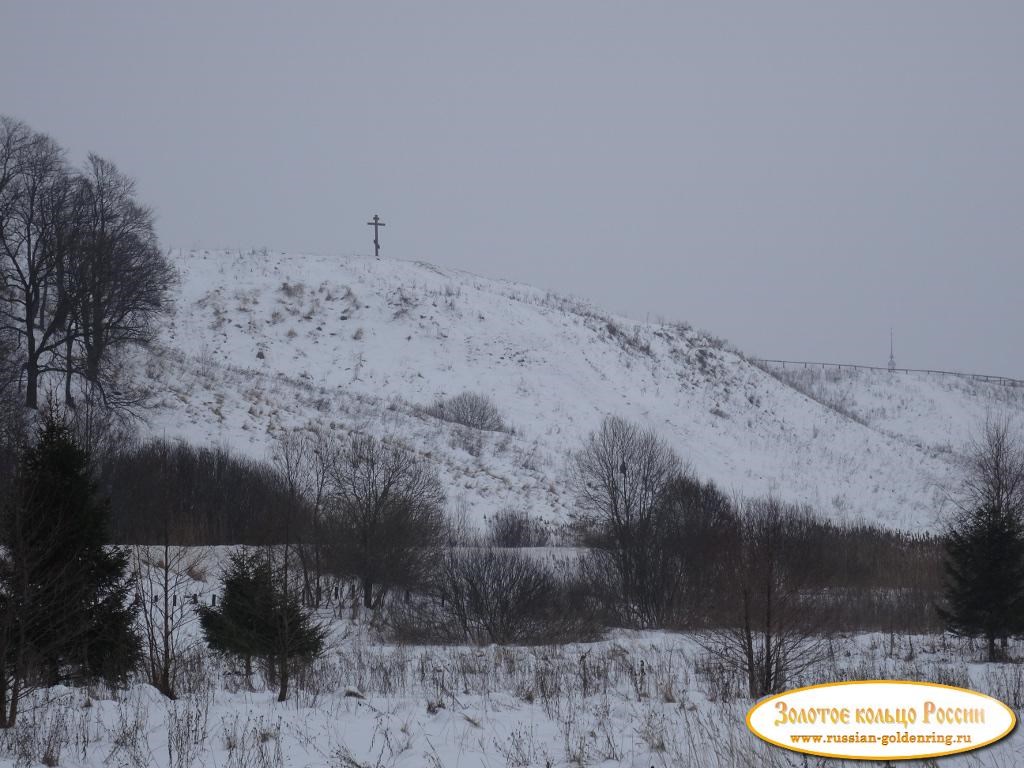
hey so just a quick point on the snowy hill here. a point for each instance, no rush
(265, 341)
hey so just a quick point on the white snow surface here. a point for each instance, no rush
(263, 341)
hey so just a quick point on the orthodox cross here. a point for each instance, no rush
(376, 224)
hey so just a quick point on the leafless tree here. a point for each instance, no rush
(322, 450)
(81, 273)
(121, 277)
(163, 574)
(164, 580)
(772, 624)
(291, 458)
(620, 478)
(993, 473)
(99, 428)
(693, 541)
(209, 495)
(386, 515)
(303, 458)
(35, 196)
(496, 596)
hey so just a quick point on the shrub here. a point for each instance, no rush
(471, 409)
(512, 527)
(486, 595)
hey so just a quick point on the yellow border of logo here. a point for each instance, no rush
(817, 753)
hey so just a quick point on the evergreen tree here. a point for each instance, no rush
(258, 617)
(65, 612)
(984, 564)
(984, 570)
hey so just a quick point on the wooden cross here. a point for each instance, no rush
(376, 224)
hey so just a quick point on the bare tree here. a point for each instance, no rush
(620, 477)
(323, 448)
(163, 576)
(35, 194)
(164, 580)
(81, 273)
(291, 459)
(386, 515)
(772, 620)
(121, 278)
(994, 469)
(694, 535)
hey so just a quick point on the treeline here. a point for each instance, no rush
(359, 522)
(191, 495)
(81, 272)
(663, 548)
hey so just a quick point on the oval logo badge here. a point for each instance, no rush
(881, 720)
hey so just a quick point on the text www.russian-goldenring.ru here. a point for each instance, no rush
(884, 740)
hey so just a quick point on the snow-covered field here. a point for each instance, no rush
(632, 699)
(262, 342)
(636, 699)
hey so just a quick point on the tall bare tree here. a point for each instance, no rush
(621, 477)
(122, 279)
(320, 453)
(81, 273)
(36, 195)
(772, 621)
(164, 582)
(387, 516)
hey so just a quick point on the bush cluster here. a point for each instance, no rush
(470, 409)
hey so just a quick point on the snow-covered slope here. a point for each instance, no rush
(265, 341)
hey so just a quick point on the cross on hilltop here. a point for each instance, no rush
(376, 224)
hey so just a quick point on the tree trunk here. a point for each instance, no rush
(282, 695)
(9, 706)
(68, 398)
(31, 384)
(3, 701)
(367, 593)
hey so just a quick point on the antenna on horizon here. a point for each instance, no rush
(892, 354)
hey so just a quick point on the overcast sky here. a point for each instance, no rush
(794, 176)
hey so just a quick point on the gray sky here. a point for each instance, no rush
(793, 176)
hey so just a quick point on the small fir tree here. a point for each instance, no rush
(257, 617)
(984, 571)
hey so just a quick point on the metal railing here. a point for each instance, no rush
(1008, 381)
